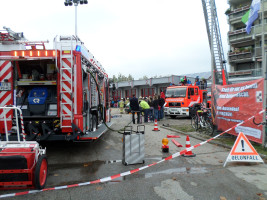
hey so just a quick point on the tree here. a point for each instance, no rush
(130, 77)
(121, 78)
(144, 78)
(114, 79)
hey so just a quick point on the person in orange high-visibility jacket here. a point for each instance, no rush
(121, 105)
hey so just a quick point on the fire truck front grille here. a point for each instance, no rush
(175, 104)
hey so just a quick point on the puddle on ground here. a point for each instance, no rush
(159, 158)
(86, 164)
(93, 167)
(84, 169)
(174, 171)
(181, 170)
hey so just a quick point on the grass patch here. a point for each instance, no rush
(223, 140)
(183, 128)
(228, 141)
(231, 140)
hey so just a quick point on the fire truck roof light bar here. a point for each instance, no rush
(34, 53)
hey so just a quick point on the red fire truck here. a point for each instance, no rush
(179, 99)
(62, 92)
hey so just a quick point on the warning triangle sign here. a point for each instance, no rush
(243, 151)
(242, 146)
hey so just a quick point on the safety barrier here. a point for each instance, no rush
(106, 179)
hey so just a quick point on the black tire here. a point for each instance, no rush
(194, 122)
(41, 172)
(209, 128)
(173, 116)
(202, 122)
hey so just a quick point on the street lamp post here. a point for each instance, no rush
(264, 72)
(76, 3)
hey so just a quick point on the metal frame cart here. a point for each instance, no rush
(23, 164)
(134, 145)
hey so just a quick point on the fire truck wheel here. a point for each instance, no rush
(40, 175)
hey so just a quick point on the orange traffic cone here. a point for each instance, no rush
(188, 145)
(156, 125)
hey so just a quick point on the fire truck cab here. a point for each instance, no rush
(180, 98)
(63, 92)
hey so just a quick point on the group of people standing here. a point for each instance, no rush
(153, 108)
(122, 104)
(201, 83)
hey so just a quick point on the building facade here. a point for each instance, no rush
(245, 55)
(152, 86)
(143, 88)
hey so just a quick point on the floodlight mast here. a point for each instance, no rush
(76, 3)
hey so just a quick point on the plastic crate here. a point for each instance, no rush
(37, 96)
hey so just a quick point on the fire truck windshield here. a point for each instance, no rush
(176, 92)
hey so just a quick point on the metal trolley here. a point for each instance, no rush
(23, 164)
(134, 145)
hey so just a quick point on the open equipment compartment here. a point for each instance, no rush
(36, 82)
(36, 95)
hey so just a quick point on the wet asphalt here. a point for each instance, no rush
(200, 177)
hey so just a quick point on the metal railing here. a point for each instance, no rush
(258, 29)
(246, 73)
(240, 34)
(237, 56)
(16, 109)
(239, 12)
(258, 51)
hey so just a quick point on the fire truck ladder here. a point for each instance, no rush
(66, 82)
(9, 35)
(215, 42)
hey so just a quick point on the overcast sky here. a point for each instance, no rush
(140, 37)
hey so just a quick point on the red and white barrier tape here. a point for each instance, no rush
(106, 179)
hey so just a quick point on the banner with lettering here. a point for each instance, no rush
(235, 103)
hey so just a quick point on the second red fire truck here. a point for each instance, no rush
(179, 99)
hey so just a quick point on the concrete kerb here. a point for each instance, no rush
(204, 139)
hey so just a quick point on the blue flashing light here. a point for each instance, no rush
(78, 48)
(183, 103)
